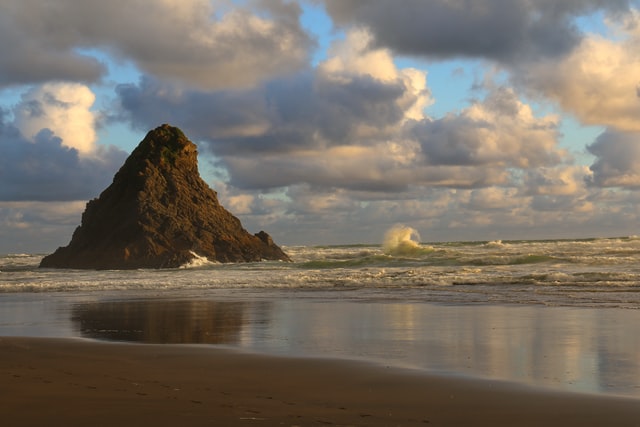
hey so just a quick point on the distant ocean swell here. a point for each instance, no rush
(589, 272)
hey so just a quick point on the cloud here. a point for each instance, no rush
(37, 227)
(188, 41)
(501, 30)
(310, 129)
(323, 216)
(355, 122)
(538, 44)
(493, 199)
(497, 131)
(64, 109)
(358, 146)
(617, 157)
(341, 149)
(38, 45)
(328, 106)
(564, 180)
(333, 126)
(42, 168)
(486, 143)
(597, 82)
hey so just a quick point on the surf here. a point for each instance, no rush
(402, 240)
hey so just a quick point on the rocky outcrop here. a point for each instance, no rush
(159, 213)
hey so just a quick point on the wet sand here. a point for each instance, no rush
(80, 382)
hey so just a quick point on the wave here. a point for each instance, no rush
(198, 261)
(19, 262)
(510, 260)
(590, 272)
(364, 261)
(399, 241)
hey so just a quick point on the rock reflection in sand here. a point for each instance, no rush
(586, 350)
(162, 321)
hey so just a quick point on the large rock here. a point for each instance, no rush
(159, 213)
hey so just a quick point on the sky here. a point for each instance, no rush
(330, 121)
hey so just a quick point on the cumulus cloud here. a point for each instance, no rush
(597, 82)
(493, 199)
(617, 156)
(190, 41)
(38, 45)
(564, 180)
(501, 30)
(356, 122)
(485, 143)
(325, 216)
(336, 125)
(538, 43)
(500, 130)
(345, 141)
(331, 105)
(42, 168)
(354, 57)
(371, 168)
(64, 109)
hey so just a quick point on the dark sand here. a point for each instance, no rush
(75, 382)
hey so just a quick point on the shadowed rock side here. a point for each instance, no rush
(158, 213)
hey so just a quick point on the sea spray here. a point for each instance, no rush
(494, 244)
(597, 273)
(198, 261)
(399, 240)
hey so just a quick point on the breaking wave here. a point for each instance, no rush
(586, 272)
(197, 261)
(402, 240)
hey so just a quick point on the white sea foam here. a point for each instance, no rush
(198, 261)
(541, 272)
(403, 240)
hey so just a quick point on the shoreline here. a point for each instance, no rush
(559, 348)
(75, 381)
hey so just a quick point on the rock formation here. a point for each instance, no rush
(159, 213)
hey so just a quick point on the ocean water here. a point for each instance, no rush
(582, 273)
(562, 314)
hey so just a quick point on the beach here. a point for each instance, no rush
(494, 333)
(80, 382)
(574, 349)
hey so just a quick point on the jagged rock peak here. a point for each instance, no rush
(166, 146)
(157, 213)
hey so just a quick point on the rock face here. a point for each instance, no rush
(159, 213)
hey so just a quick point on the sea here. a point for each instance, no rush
(562, 314)
(602, 272)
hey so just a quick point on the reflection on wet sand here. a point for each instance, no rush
(588, 350)
(162, 321)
